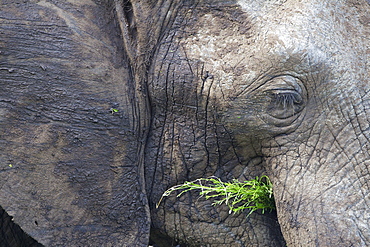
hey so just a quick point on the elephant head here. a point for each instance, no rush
(244, 88)
(106, 104)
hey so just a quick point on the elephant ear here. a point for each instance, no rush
(74, 118)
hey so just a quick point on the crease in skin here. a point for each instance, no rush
(68, 18)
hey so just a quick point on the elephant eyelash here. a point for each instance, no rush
(287, 98)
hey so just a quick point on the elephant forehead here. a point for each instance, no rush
(238, 48)
(241, 42)
(297, 25)
(263, 29)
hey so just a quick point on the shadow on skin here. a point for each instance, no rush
(11, 235)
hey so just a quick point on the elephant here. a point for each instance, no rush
(105, 104)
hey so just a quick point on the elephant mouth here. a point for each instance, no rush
(209, 223)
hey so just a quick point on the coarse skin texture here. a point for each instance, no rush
(226, 88)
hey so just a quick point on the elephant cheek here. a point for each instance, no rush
(318, 207)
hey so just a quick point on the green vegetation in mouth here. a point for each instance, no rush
(254, 194)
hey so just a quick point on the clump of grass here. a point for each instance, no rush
(254, 194)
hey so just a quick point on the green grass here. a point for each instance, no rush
(254, 194)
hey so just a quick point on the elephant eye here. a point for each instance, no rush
(286, 96)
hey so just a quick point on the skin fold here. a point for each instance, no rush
(233, 89)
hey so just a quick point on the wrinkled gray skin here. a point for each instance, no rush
(234, 89)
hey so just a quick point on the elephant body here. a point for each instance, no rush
(106, 104)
